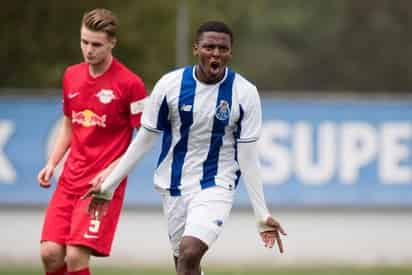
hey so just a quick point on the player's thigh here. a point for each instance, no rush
(58, 216)
(175, 210)
(207, 213)
(95, 233)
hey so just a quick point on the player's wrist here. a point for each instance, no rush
(105, 196)
(106, 189)
(262, 224)
(51, 164)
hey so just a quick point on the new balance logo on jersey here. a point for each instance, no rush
(186, 108)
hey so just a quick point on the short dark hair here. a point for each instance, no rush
(214, 26)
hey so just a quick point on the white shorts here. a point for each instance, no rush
(201, 214)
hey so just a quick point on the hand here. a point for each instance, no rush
(97, 181)
(272, 234)
(45, 175)
(97, 207)
(93, 190)
(99, 202)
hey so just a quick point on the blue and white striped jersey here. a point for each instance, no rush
(201, 125)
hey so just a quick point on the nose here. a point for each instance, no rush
(215, 51)
(89, 48)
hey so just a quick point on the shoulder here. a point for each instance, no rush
(242, 83)
(169, 82)
(245, 88)
(126, 75)
(171, 77)
(75, 69)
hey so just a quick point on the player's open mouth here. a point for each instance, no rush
(215, 66)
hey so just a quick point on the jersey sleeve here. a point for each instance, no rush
(156, 114)
(251, 117)
(137, 97)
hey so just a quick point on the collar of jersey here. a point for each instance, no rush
(217, 83)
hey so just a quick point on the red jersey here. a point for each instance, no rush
(103, 111)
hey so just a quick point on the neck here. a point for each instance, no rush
(97, 70)
(202, 76)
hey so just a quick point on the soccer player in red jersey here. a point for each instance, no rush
(102, 104)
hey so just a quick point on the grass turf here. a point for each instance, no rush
(281, 271)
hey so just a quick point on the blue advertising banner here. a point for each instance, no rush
(313, 153)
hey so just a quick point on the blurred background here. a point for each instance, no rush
(336, 142)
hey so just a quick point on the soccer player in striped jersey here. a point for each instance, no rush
(210, 117)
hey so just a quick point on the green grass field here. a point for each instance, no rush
(280, 271)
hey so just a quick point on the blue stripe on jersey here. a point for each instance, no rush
(239, 123)
(221, 120)
(163, 123)
(186, 99)
(237, 135)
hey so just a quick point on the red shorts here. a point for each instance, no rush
(67, 222)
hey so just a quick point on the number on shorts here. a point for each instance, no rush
(94, 226)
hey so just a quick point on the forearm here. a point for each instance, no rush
(62, 144)
(250, 168)
(142, 143)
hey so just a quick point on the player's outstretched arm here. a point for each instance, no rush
(141, 144)
(61, 146)
(269, 228)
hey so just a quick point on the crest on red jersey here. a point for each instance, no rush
(105, 96)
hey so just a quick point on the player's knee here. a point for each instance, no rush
(52, 255)
(77, 257)
(190, 255)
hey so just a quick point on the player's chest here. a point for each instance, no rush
(206, 110)
(95, 104)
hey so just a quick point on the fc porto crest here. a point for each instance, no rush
(105, 96)
(223, 110)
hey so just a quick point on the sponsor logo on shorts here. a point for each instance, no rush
(218, 222)
(87, 236)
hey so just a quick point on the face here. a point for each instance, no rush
(96, 46)
(214, 51)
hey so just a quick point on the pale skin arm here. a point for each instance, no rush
(60, 148)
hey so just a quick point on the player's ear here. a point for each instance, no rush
(195, 49)
(113, 42)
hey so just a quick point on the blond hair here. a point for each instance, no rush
(101, 20)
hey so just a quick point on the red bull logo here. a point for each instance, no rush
(88, 118)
